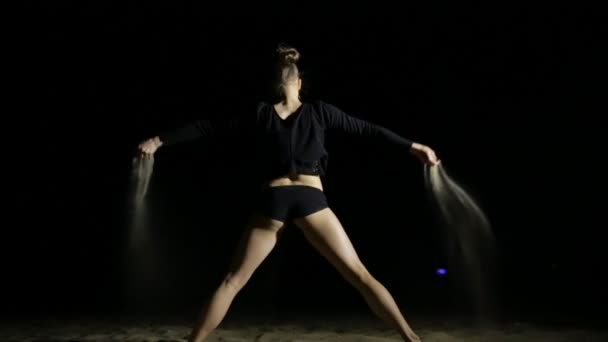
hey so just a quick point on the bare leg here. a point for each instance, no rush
(257, 242)
(325, 232)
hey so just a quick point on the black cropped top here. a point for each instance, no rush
(294, 145)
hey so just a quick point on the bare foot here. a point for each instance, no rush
(411, 337)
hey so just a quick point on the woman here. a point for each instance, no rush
(291, 134)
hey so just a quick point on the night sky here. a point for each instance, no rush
(509, 98)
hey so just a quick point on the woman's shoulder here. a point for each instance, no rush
(316, 106)
(323, 108)
(261, 105)
(263, 109)
(319, 105)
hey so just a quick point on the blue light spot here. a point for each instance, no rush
(441, 271)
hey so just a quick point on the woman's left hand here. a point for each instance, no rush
(425, 154)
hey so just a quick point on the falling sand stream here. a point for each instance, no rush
(468, 237)
(144, 258)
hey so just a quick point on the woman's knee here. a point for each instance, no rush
(235, 280)
(358, 275)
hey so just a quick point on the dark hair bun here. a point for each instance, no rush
(287, 55)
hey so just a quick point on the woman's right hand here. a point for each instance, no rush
(148, 147)
(425, 154)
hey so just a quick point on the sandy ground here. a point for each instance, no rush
(318, 329)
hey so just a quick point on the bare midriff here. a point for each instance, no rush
(308, 180)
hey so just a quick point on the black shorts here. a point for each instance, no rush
(283, 203)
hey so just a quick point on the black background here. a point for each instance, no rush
(509, 97)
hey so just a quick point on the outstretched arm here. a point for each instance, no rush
(334, 118)
(199, 129)
(192, 131)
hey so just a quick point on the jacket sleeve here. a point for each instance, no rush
(208, 128)
(334, 118)
(200, 129)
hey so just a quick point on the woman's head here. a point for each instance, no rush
(288, 81)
